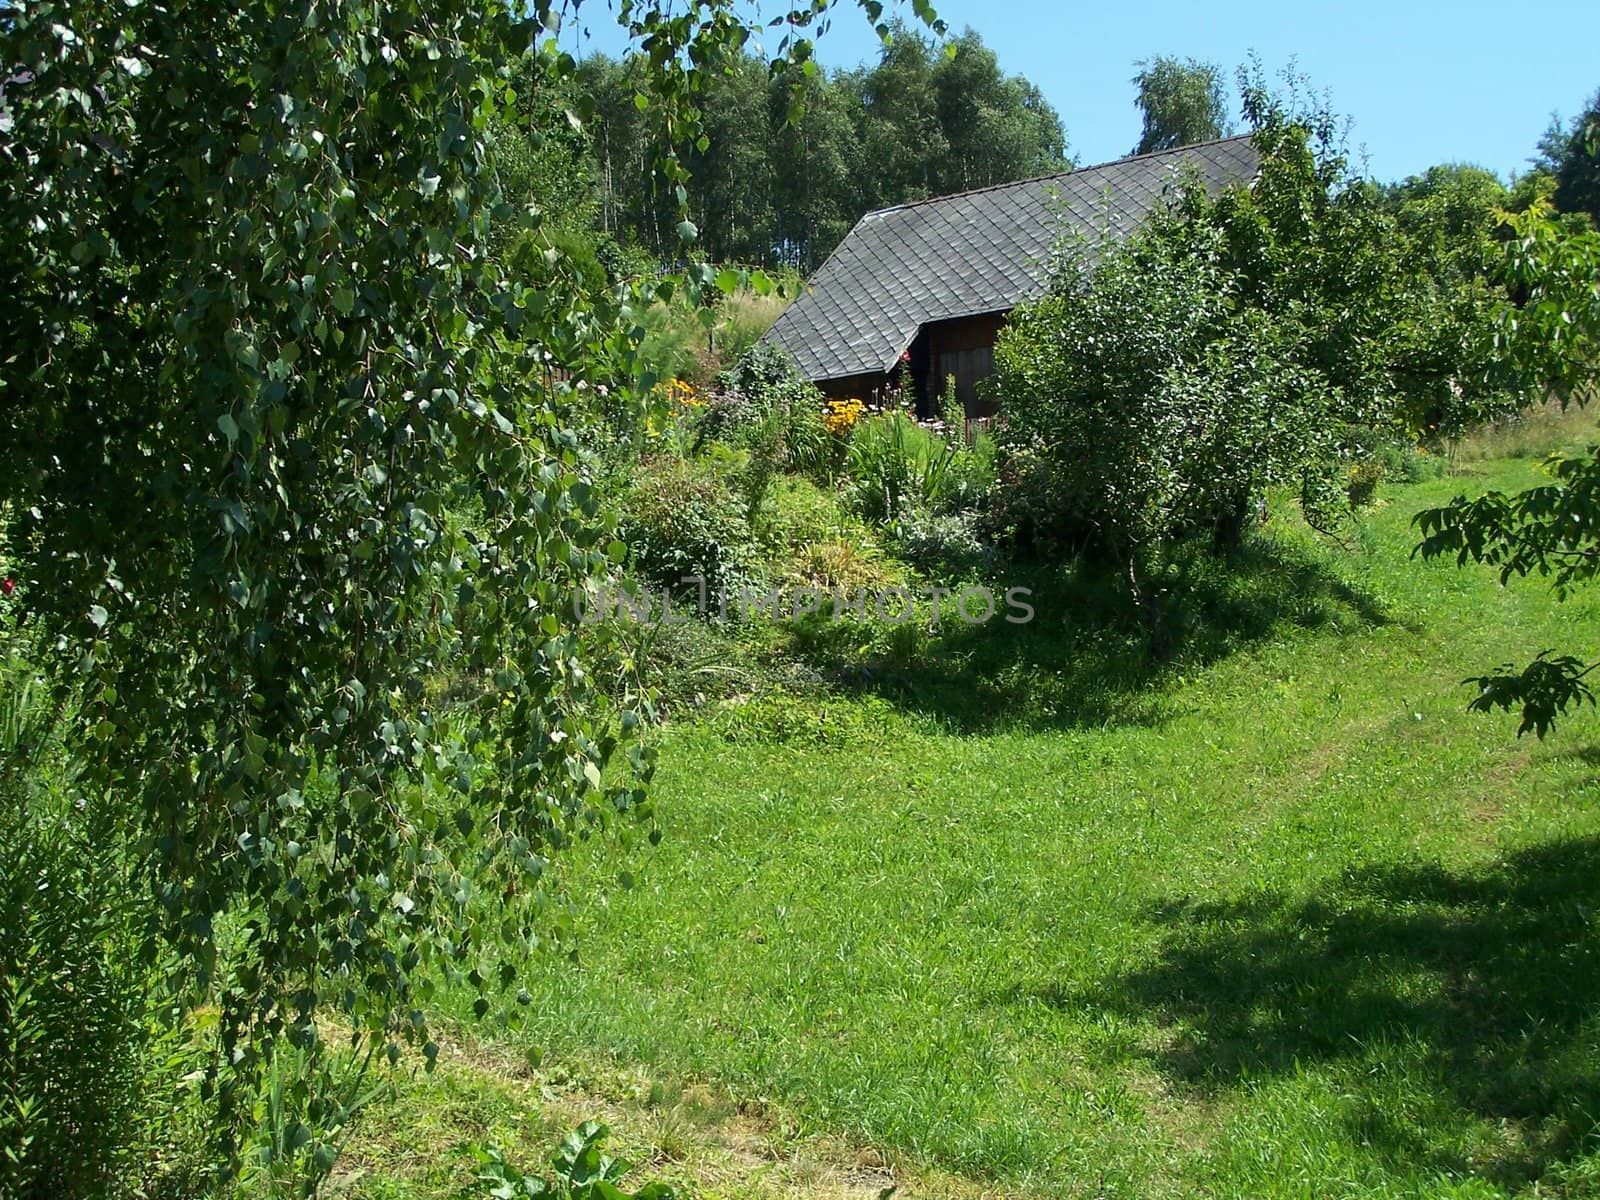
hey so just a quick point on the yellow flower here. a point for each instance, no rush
(681, 394)
(840, 416)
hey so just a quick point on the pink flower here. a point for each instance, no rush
(8, 586)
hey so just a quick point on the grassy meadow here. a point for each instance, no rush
(1021, 913)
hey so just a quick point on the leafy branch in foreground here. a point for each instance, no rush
(1549, 530)
(1546, 688)
(1552, 530)
(301, 502)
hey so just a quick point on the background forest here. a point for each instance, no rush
(787, 161)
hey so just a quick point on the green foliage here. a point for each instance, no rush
(995, 128)
(1362, 482)
(1550, 686)
(1445, 354)
(1552, 335)
(762, 405)
(952, 413)
(798, 511)
(1153, 397)
(1571, 154)
(970, 482)
(86, 1076)
(580, 1170)
(1547, 531)
(778, 718)
(542, 152)
(304, 464)
(947, 544)
(1408, 464)
(1170, 380)
(758, 373)
(71, 1010)
(688, 518)
(295, 1146)
(895, 463)
(1182, 101)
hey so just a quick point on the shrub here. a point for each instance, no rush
(1026, 509)
(1409, 464)
(759, 371)
(797, 511)
(726, 413)
(761, 404)
(687, 517)
(895, 462)
(1362, 483)
(973, 472)
(817, 541)
(942, 542)
(79, 1111)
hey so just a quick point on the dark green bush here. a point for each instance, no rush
(1026, 508)
(758, 372)
(761, 404)
(688, 517)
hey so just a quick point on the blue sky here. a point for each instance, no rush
(1431, 82)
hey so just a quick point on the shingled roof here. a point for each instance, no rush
(976, 252)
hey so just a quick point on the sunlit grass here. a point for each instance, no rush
(1277, 918)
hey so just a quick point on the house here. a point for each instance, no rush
(930, 284)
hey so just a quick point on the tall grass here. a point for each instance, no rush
(1535, 433)
(90, 1103)
(689, 342)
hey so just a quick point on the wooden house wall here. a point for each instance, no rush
(963, 348)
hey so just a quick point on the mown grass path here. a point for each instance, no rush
(1303, 927)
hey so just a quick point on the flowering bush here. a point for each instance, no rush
(681, 394)
(840, 416)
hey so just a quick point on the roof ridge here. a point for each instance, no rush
(995, 187)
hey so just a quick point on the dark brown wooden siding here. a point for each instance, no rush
(963, 348)
(869, 389)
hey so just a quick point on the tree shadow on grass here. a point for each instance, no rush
(1488, 983)
(1085, 659)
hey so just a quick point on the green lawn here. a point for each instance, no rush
(1281, 919)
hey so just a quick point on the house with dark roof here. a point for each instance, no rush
(929, 284)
